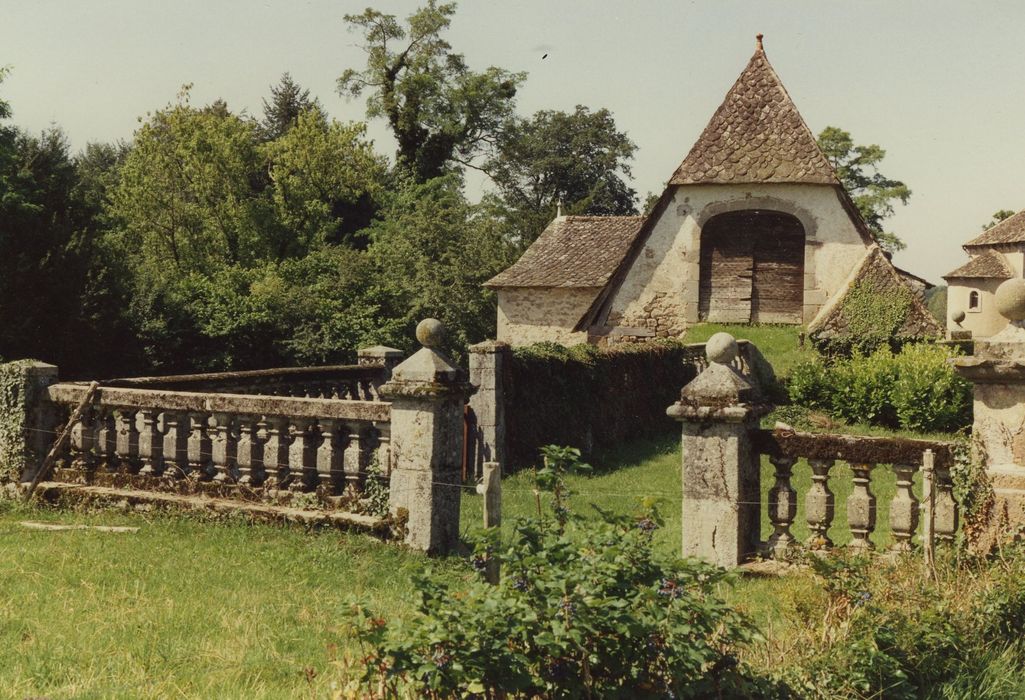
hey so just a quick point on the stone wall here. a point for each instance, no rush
(984, 321)
(660, 291)
(23, 417)
(533, 315)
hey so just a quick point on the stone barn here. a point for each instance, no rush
(752, 227)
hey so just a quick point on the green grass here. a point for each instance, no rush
(183, 608)
(779, 344)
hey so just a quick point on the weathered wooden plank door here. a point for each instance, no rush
(752, 268)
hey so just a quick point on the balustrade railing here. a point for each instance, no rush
(823, 451)
(249, 446)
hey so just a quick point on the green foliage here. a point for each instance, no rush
(584, 609)
(579, 159)
(915, 389)
(441, 112)
(873, 320)
(288, 101)
(998, 216)
(874, 195)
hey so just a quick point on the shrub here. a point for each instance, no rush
(860, 388)
(809, 385)
(583, 609)
(927, 394)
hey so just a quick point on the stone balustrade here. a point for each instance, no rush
(823, 451)
(255, 446)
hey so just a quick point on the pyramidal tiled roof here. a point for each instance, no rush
(756, 135)
(1010, 230)
(573, 251)
(987, 265)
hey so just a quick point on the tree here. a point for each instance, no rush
(325, 177)
(288, 100)
(440, 111)
(579, 158)
(184, 201)
(998, 216)
(873, 193)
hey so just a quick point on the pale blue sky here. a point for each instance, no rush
(938, 84)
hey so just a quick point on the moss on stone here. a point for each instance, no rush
(14, 450)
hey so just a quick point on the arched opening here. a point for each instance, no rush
(973, 301)
(752, 268)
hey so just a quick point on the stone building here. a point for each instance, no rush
(996, 255)
(753, 226)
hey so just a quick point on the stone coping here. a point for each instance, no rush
(853, 449)
(194, 402)
(277, 373)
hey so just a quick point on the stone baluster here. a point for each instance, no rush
(329, 457)
(199, 448)
(861, 508)
(249, 451)
(224, 447)
(904, 508)
(945, 519)
(302, 470)
(353, 462)
(383, 453)
(176, 445)
(83, 441)
(105, 438)
(275, 452)
(127, 442)
(782, 506)
(151, 444)
(818, 504)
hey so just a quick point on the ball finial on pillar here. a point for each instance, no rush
(721, 348)
(1010, 299)
(430, 332)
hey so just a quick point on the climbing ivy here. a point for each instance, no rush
(13, 451)
(872, 317)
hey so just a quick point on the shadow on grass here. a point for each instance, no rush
(634, 452)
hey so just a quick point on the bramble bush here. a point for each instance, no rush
(583, 609)
(915, 389)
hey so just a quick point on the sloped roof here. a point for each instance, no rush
(756, 135)
(987, 265)
(882, 278)
(1010, 230)
(573, 251)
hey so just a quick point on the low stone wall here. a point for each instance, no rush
(589, 397)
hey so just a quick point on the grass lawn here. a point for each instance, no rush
(779, 344)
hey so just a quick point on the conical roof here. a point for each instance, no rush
(756, 135)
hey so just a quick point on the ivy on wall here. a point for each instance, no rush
(590, 397)
(13, 419)
(870, 317)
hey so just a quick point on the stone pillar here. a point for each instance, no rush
(997, 374)
(427, 396)
(721, 470)
(379, 356)
(27, 418)
(488, 361)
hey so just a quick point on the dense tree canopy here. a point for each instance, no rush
(439, 110)
(580, 159)
(873, 193)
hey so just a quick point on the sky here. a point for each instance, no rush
(938, 84)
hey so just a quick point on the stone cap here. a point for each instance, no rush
(720, 390)
(490, 346)
(379, 352)
(427, 373)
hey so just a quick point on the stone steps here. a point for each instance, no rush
(71, 494)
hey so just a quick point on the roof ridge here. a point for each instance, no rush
(996, 233)
(757, 134)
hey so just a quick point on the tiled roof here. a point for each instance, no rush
(756, 135)
(989, 264)
(879, 275)
(1010, 230)
(574, 251)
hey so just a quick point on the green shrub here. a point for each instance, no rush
(926, 393)
(916, 389)
(583, 609)
(860, 388)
